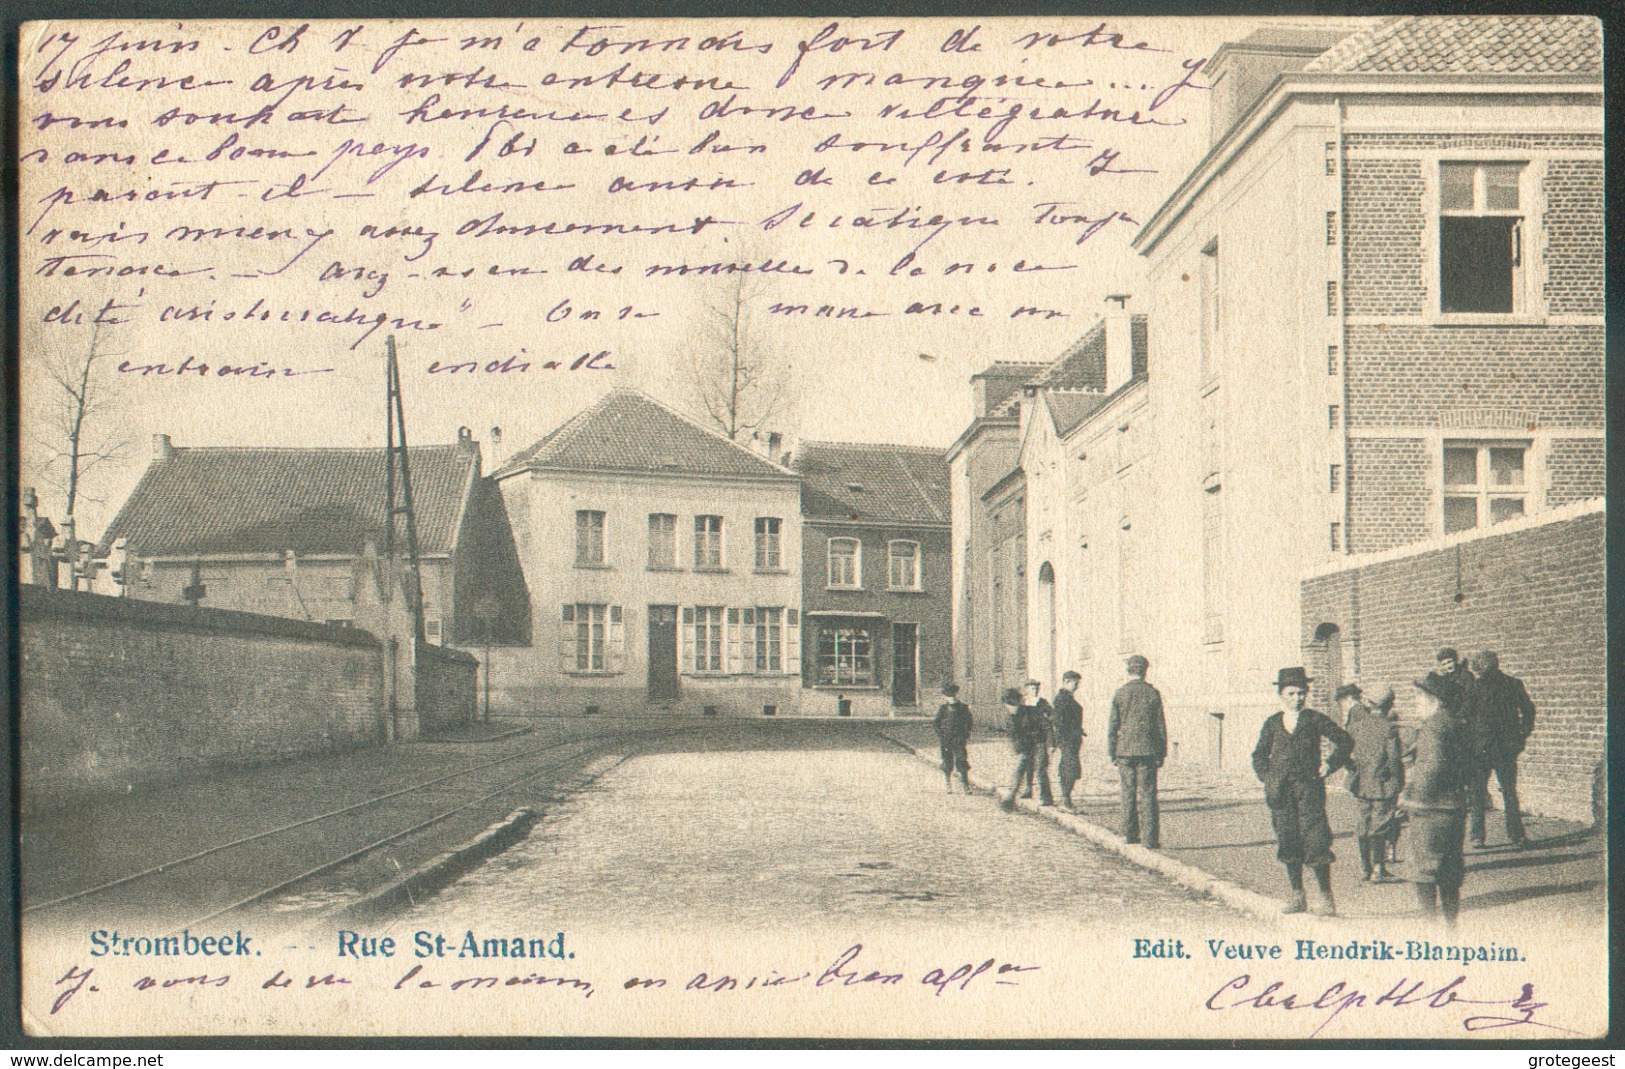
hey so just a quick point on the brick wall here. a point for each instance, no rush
(1535, 594)
(446, 690)
(1382, 245)
(1388, 493)
(1576, 468)
(1403, 374)
(120, 694)
(1573, 223)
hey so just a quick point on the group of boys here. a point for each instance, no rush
(1472, 724)
(1136, 742)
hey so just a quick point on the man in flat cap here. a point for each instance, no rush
(1500, 718)
(1287, 760)
(1348, 697)
(1137, 743)
(1068, 736)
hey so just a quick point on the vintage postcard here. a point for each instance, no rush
(1003, 528)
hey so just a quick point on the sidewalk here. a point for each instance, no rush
(1217, 823)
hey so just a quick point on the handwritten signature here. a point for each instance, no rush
(1341, 996)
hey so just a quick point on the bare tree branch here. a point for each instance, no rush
(79, 431)
(738, 383)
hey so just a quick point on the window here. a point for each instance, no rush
(845, 656)
(705, 652)
(1483, 483)
(1334, 477)
(904, 565)
(767, 544)
(662, 540)
(708, 542)
(589, 538)
(766, 640)
(591, 638)
(1213, 565)
(1480, 236)
(844, 563)
(1210, 311)
(1331, 359)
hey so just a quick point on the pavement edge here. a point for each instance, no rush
(1189, 876)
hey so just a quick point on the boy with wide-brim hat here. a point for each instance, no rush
(1287, 760)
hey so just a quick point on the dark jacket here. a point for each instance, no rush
(1282, 757)
(1026, 728)
(1136, 727)
(953, 723)
(1440, 764)
(1068, 718)
(1498, 713)
(1376, 766)
(1452, 685)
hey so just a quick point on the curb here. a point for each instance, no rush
(424, 740)
(435, 874)
(1189, 876)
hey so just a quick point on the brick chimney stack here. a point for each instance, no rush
(162, 448)
(1119, 342)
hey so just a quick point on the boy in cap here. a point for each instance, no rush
(1068, 736)
(1137, 743)
(1450, 678)
(953, 723)
(1287, 760)
(1041, 736)
(1376, 776)
(1435, 798)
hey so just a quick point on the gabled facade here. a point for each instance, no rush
(876, 576)
(989, 544)
(298, 532)
(663, 567)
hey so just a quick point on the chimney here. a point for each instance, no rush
(162, 448)
(496, 441)
(1119, 328)
(1241, 72)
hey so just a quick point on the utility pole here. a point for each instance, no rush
(398, 487)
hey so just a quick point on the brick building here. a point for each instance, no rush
(876, 575)
(1375, 315)
(663, 568)
(297, 533)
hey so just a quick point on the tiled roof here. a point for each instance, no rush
(1004, 378)
(206, 501)
(1083, 365)
(1070, 408)
(896, 484)
(626, 431)
(1471, 44)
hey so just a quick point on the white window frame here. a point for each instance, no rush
(707, 652)
(703, 537)
(892, 560)
(592, 638)
(769, 535)
(856, 582)
(1526, 297)
(1483, 491)
(584, 560)
(670, 564)
(765, 643)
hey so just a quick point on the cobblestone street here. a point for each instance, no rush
(760, 834)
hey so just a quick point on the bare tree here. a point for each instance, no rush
(76, 432)
(735, 379)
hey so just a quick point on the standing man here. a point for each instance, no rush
(1042, 718)
(1500, 718)
(1137, 743)
(1068, 736)
(1450, 678)
(1019, 726)
(953, 723)
(1349, 697)
(1288, 761)
(1434, 798)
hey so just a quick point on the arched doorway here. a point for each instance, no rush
(1046, 619)
(1325, 663)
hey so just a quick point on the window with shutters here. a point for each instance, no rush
(592, 638)
(1481, 236)
(708, 640)
(767, 645)
(589, 538)
(708, 543)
